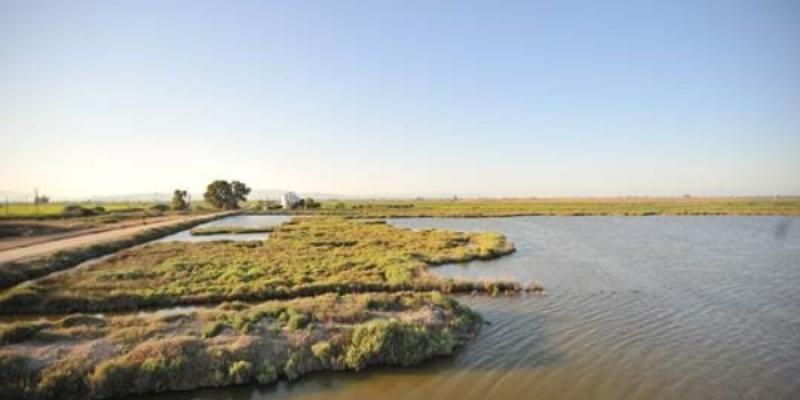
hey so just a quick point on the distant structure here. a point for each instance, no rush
(289, 199)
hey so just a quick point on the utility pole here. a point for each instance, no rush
(36, 200)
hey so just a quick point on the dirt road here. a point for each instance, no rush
(67, 230)
(50, 246)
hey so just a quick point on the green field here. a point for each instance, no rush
(13, 211)
(472, 207)
(563, 207)
(55, 210)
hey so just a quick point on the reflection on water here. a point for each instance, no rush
(638, 308)
(236, 220)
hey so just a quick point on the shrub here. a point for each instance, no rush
(395, 343)
(297, 320)
(300, 361)
(240, 372)
(311, 203)
(159, 207)
(64, 380)
(74, 210)
(213, 329)
(324, 352)
(267, 374)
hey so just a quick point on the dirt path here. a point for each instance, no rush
(85, 239)
(69, 232)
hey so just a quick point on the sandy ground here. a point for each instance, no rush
(50, 243)
(73, 229)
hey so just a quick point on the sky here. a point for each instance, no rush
(418, 98)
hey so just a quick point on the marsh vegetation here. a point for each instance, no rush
(82, 356)
(323, 293)
(305, 257)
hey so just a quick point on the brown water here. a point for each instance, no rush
(638, 308)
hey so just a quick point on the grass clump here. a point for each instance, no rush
(306, 257)
(213, 329)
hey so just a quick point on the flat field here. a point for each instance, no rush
(55, 210)
(565, 207)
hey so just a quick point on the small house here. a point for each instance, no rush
(289, 200)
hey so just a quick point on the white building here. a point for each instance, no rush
(289, 199)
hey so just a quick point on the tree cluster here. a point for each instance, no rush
(226, 195)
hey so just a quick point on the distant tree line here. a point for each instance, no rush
(307, 203)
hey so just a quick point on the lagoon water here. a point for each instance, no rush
(250, 221)
(637, 308)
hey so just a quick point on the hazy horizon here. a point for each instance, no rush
(520, 99)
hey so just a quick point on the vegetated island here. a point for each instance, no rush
(82, 356)
(229, 230)
(340, 294)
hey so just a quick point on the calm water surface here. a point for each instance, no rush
(637, 308)
(236, 220)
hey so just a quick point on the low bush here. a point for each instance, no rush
(240, 372)
(161, 208)
(74, 210)
(388, 342)
(213, 329)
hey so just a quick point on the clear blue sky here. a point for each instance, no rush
(531, 98)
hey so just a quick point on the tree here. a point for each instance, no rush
(180, 200)
(226, 195)
(311, 203)
(240, 192)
